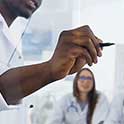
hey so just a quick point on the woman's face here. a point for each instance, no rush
(85, 82)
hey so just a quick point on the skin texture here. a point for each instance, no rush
(22, 7)
(10, 9)
(74, 49)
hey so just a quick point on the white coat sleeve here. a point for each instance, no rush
(101, 110)
(3, 104)
(115, 115)
(57, 115)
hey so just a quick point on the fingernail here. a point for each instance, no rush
(90, 64)
(95, 61)
(100, 54)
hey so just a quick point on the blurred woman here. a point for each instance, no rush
(84, 106)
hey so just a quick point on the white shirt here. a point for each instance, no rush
(68, 111)
(8, 45)
(116, 114)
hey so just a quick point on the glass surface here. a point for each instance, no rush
(39, 40)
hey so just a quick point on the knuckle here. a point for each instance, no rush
(87, 30)
(66, 34)
(76, 51)
(86, 54)
(86, 26)
(85, 51)
(87, 41)
(94, 54)
(63, 32)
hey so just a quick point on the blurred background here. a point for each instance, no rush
(105, 18)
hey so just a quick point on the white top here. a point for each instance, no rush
(116, 114)
(68, 111)
(7, 47)
(9, 40)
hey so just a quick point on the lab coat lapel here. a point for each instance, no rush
(7, 41)
(79, 108)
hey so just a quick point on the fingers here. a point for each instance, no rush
(84, 37)
(100, 48)
(79, 52)
(87, 57)
(94, 39)
(76, 48)
(79, 63)
(87, 43)
(91, 49)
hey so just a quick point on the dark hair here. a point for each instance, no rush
(92, 95)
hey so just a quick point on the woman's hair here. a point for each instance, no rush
(92, 95)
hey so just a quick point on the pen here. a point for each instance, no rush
(105, 44)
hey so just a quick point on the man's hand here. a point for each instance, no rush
(75, 48)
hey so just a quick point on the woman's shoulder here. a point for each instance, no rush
(64, 101)
(68, 96)
(67, 99)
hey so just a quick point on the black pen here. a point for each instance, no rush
(105, 44)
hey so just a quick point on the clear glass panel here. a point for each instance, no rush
(37, 38)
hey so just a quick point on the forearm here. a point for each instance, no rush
(20, 82)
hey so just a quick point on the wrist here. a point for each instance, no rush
(51, 71)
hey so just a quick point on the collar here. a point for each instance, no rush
(5, 29)
(12, 33)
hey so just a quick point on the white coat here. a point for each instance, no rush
(68, 111)
(7, 47)
(8, 43)
(116, 114)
